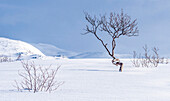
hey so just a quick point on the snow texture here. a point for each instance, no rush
(92, 80)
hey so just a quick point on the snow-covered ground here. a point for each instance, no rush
(92, 80)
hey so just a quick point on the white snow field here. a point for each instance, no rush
(92, 80)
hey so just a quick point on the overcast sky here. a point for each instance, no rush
(61, 22)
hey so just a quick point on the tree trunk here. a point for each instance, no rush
(113, 47)
(121, 67)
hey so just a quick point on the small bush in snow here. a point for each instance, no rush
(136, 59)
(5, 59)
(148, 60)
(37, 78)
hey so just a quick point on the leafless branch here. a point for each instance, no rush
(37, 78)
(148, 60)
(117, 25)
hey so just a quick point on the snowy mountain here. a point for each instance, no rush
(98, 55)
(51, 50)
(16, 48)
(91, 55)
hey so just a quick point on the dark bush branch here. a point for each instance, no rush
(37, 78)
(148, 60)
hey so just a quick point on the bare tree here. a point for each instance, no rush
(115, 26)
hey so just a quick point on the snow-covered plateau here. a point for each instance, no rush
(92, 80)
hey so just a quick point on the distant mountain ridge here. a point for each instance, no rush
(14, 48)
(91, 55)
(51, 50)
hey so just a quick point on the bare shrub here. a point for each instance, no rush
(167, 61)
(37, 78)
(135, 61)
(148, 60)
(144, 62)
(162, 60)
(5, 59)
